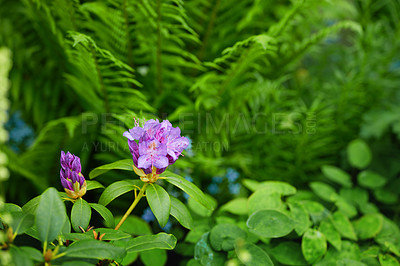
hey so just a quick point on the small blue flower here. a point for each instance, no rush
(232, 175)
(234, 188)
(167, 227)
(217, 179)
(213, 188)
(186, 196)
(148, 215)
(188, 178)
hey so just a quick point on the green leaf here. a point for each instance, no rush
(80, 215)
(189, 188)
(280, 187)
(262, 199)
(224, 236)
(21, 222)
(345, 207)
(282, 250)
(313, 245)
(252, 255)
(199, 209)
(270, 224)
(155, 257)
(337, 175)
(19, 257)
(331, 234)
(385, 196)
(125, 164)
(324, 191)
(316, 210)
(206, 255)
(370, 179)
(94, 249)
(368, 226)
(117, 189)
(134, 225)
(359, 154)
(76, 263)
(388, 260)
(300, 217)
(148, 242)
(91, 184)
(251, 184)
(159, 202)
(31, 206)
(32, 253)
(50, 215)
(105, 213)
(236, 206)
(343, 226)
(181, 213)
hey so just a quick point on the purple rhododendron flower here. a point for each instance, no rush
(155, 145)
(71, 177)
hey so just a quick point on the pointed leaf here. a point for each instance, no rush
(94, 249)
(252, 255)
(148, 242)
(159, 202)
(270, 224)
(181, 213)
(80, 215)
(343, 225)
(337, 175)
(188, 187)
(105, 213)
(120, 165)
(50, 215)
(117, 189)
(91, 184)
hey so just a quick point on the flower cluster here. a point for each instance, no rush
(71, 177)
(159, 145)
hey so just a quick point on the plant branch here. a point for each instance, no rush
(135, 202)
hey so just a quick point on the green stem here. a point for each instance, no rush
(135, 202)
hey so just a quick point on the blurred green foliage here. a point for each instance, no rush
(275, 89)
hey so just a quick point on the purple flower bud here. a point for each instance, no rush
(70, 174)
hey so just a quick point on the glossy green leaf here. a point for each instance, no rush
(252, 255)
(263, 199)
(148, 242)
(331, 234)
(105, 213)
(19, 257)
(337, 175)
(313, 245)
(236, 206)
(324, 191)
(206, 255)
(270, 224)
(31, 206)
(388, 260)
(94, 249)
(224, 236)
(359, 154)
(300, 217)
(343, 226)
(385, 196)
(370, 179)
(279, 187)
(91, 184)
(80, 215)
(155, 257)
(32, 253)
(134, 225)
(21, 222)
(288, 253)
(50, 215)
(188, 187)
(117, 189)
(199, 209)
(125, 164)
(181, 213)
(159, 202)
(368, 226)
